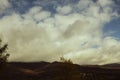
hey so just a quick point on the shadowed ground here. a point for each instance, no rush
(59, 71)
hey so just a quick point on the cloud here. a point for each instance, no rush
(64, 10)
(74, 31)
(37, 14)
(4, 4)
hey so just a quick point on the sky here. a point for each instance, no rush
(85, 31)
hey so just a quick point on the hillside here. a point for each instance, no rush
(58, 71)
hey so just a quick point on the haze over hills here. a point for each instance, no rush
(59, 71)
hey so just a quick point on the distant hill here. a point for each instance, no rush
(114, 65)
(59, 71)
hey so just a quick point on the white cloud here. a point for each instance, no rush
(73, 35)
(4, 4)
(105, 3)
(64, 9)
(37, 13)
(35, 10)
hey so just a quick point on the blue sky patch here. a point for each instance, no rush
(112, 28)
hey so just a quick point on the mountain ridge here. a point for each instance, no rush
(58, 71)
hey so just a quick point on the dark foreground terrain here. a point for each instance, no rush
(59, 71)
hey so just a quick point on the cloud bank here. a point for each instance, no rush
(74, 31)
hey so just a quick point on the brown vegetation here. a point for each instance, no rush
(58, 71)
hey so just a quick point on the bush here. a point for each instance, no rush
(69, 71)
(62, 59)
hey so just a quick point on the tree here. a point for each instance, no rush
(3, 54)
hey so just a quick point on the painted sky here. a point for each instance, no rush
(86, 31)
